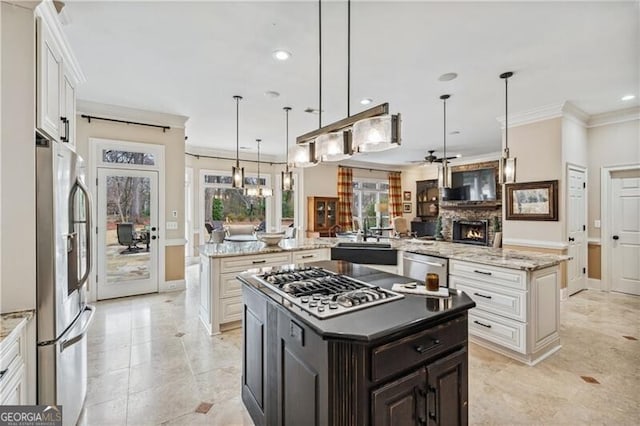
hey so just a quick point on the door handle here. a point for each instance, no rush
(65, 138)
(571, 239)
(75, 339)
(153, 237)
(616, 237)
(87, 213)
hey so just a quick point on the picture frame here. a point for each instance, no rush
(532, 201)
(406, 196)
(406, 207)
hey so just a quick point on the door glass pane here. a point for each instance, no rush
(128, 228)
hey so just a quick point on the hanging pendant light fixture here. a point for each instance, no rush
(444, 172)
(237, 172)
(336, 146)
(262, 190)
(287, 175)
(507, 164)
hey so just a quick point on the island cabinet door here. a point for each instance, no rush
(401, 402)
(447, 390)
(254, 380)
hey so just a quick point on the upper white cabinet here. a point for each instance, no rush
(57, 76)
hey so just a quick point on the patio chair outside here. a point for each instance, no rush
(126, 237)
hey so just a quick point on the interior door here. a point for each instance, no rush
(127, 214)
(625, 227)
(576, 230)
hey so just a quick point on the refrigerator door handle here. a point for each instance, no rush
(87, 214)
(65, 343)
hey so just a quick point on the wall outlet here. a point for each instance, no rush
(172, 225)
(174, 213)
(596, 223)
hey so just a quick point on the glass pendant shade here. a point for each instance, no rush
(265, 192)
(334, 146)
(444, 176)
(251, 191)
(508, 170)
(303, 156)
(377, 133)
(237, 173)
(287, 180)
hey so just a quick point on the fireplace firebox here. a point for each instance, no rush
(470, 232)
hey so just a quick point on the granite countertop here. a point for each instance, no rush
(375, 322)
(230, 249)
(506, 258)
(11, 322)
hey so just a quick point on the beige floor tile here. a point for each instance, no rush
(108, 413)
(163, 403)
(108, 386)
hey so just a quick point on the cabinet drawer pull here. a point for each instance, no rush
(65, 122)
(3, 372)
(423, 349)
(481, 272)
(307, 256)
(256, 262)
(483, 325)
(482, 295)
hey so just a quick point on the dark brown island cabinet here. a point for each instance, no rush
(399, 363)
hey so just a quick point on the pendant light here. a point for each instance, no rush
(287, 175)
(336, 146)
(444, 172)
(262, 191)
(507, 164)
(237, 172)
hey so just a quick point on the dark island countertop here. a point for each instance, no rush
(375, 322)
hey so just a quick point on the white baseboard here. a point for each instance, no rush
(175, 285)
(564, 294)
(594, 284)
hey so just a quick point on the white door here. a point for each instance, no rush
(625, 233)
(576, 230)
(127, 215)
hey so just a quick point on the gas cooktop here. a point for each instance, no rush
(323, 293)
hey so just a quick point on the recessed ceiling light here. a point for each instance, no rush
(366, 101)
(281, 55)
(628, 97)
(448, 76)
(271, 94)
(455, 132)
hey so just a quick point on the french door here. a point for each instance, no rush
(127, 213)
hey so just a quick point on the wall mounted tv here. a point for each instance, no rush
(472, 185)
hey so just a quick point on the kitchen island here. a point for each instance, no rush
(220, 292)
(399, 362)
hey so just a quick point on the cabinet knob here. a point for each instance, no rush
(616, 237)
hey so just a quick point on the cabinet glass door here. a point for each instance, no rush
(331, 213)
(321, 213)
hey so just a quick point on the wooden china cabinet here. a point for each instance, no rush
(322, 216)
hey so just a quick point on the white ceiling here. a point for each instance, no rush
(190, 58)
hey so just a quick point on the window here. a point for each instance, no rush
(287, 207)
(222, 203)
(371, 202)
(127, 157)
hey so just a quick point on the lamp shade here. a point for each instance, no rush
(303, 155)
(287, 180)
(334, 146)
(444, 176)
(238, 177)
(377, 133)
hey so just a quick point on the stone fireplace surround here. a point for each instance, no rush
(454, 210)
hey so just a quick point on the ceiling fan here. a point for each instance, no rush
(430, 159)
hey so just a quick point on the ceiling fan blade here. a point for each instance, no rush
(416, 161)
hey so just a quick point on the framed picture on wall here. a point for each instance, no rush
(406, 207)
(532, 200)
(406, 195)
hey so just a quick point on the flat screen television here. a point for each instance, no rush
(472, 185)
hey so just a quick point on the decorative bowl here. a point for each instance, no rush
(270, 238)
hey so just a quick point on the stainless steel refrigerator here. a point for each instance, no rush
(63, 252)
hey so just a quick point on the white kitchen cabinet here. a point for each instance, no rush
(48, 77)
(517, 312)
(220, 291)
(57, 76)
(17, 365)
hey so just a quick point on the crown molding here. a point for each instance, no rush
(546, 112)
(492, 156)
(613, 117)
(118, 112)
(231, 155)
(49, 15)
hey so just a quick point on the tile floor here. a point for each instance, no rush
(150, 362)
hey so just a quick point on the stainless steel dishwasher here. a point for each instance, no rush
(417, 266)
